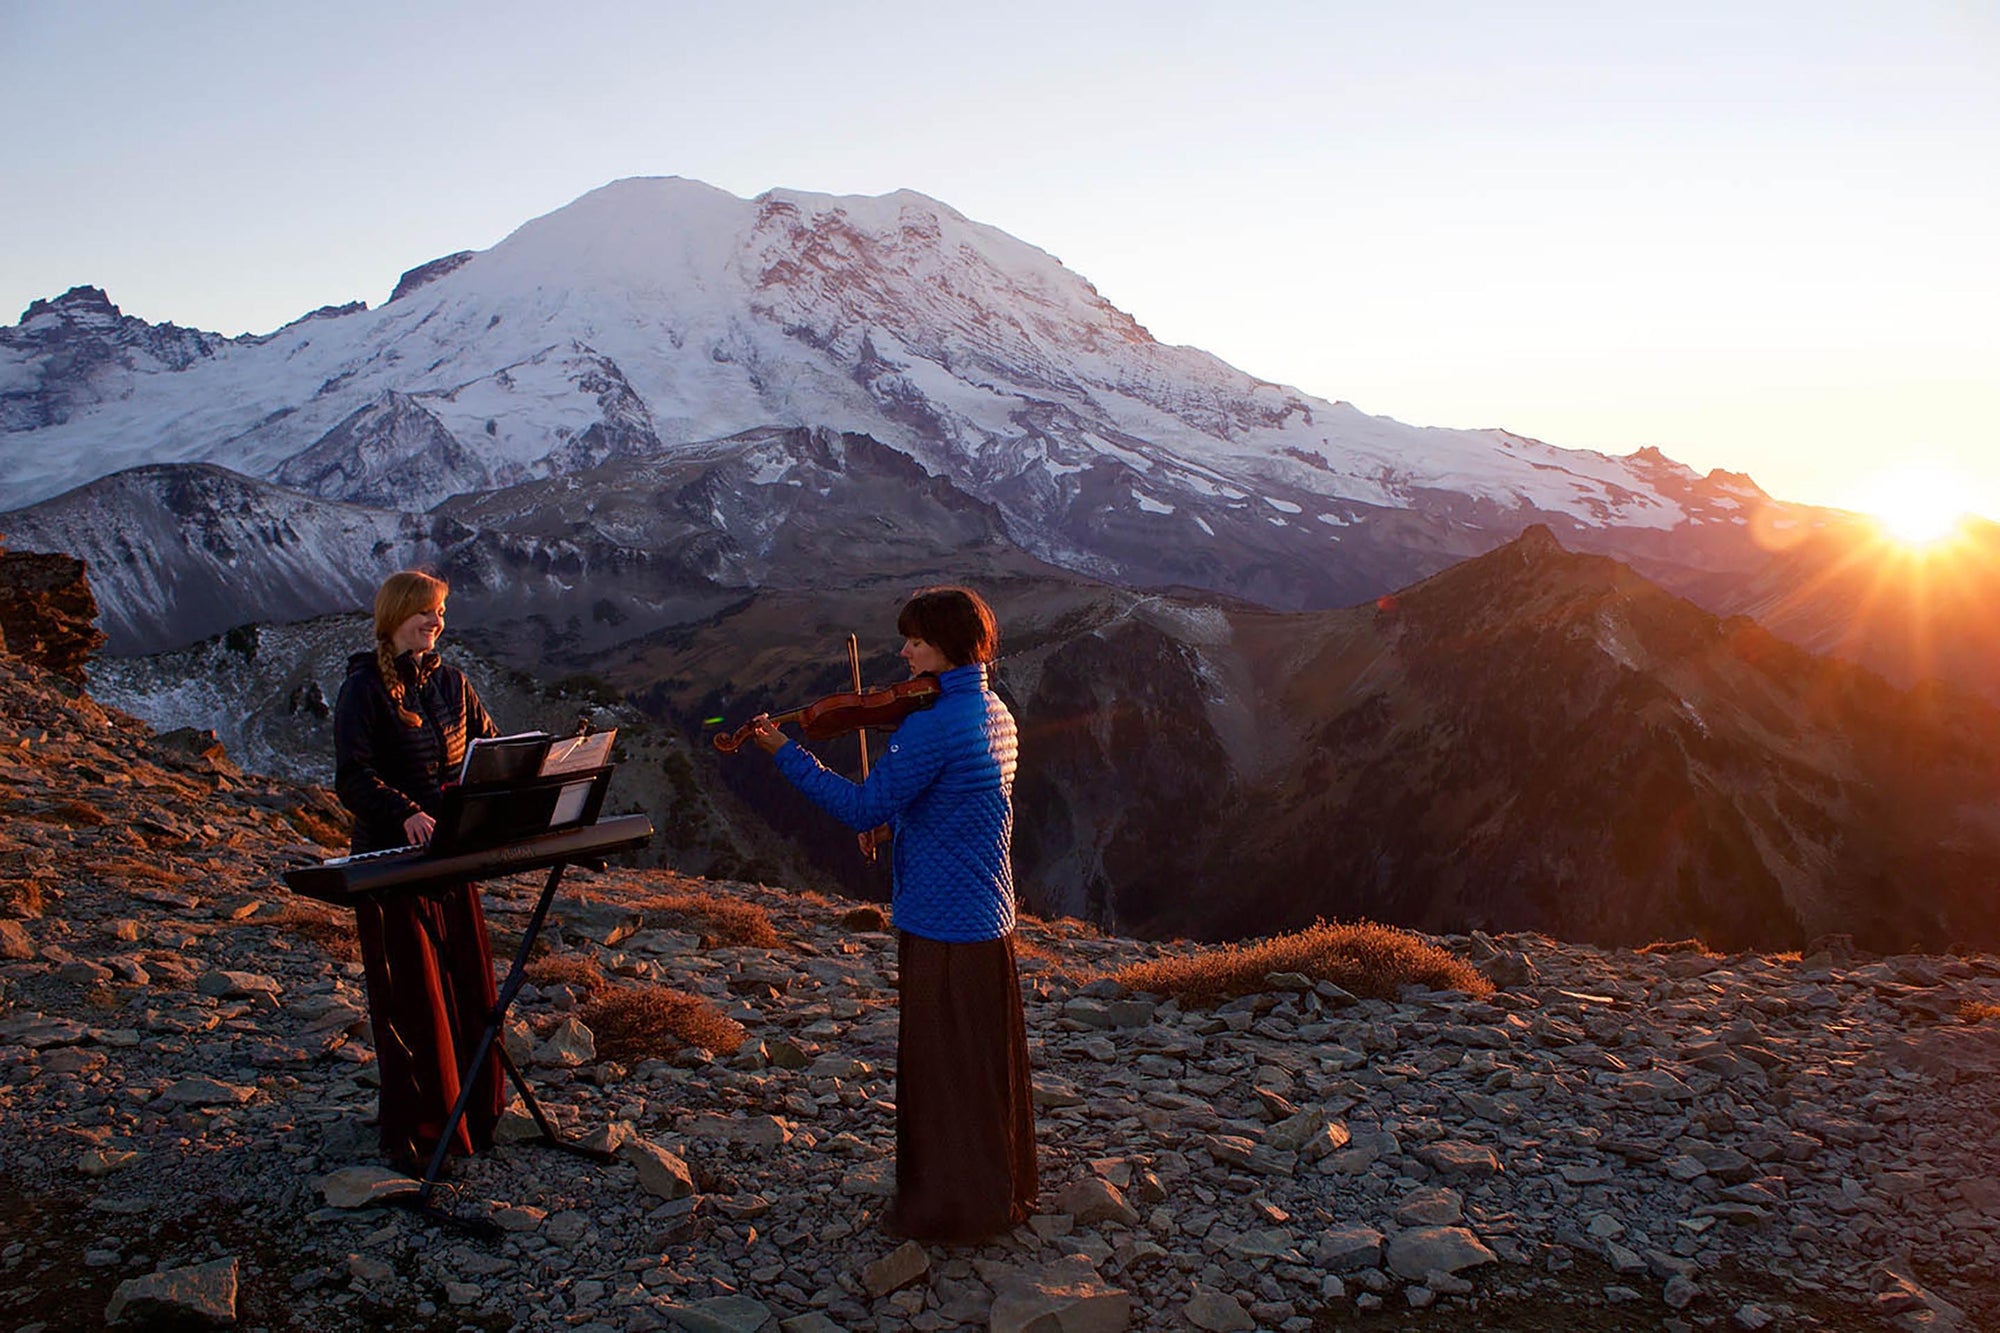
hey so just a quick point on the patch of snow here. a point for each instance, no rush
(1150, 505)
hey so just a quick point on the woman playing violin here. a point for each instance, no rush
(965, 1129)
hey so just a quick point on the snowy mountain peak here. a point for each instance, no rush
(75, 351)
(79, 306)
(653, 313)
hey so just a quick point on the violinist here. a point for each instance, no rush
(965, 1130)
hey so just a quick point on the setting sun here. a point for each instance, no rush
(1917, 508)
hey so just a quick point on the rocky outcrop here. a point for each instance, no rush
(47, 613)
(424, 274)
(392, 452)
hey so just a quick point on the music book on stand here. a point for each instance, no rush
(503, 758)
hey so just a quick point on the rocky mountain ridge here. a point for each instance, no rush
(1533, 739)
(599, 557)
(1672, 1140)
(73, 352)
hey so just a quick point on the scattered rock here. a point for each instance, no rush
(896, 1269)
(1066, 1297)
(1216, 1312)
(722, 1314)
(1418, 1251)
(1091, 1200)
(661, 1173)
(362, 1186)
(203, 1296)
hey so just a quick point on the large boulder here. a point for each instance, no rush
(47, 612)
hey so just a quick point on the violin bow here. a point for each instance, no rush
(865, 839)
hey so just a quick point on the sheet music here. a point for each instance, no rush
(569, 803)
(573, 754)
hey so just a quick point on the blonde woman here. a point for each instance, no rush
(401, 727)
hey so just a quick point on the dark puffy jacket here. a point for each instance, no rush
(386, 770)
(946, 786)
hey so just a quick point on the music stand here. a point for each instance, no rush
(474, 817)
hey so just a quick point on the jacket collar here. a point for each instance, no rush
(417, 667)
(969, 677)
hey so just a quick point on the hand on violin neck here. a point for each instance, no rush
(766, 734)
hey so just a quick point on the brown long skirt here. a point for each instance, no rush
(965, 1118)
(430, 992)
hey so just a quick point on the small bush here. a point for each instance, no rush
(567, 970)
(317, 827)
(718, 919)
(866, 917)
(1975, 1011)
(1369, 960)
(21, 897)
(332, 933)
(1679, 946)
(638, 1023)
(126, 869)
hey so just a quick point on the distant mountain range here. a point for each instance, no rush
(655, 314)
(685, 442)
(654, 318)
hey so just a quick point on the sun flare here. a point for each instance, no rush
(1917, 508)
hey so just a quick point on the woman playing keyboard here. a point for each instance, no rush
(401, 725)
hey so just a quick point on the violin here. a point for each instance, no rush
(849, 710)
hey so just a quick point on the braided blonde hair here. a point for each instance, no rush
(401, 596)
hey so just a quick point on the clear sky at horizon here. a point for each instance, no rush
(1760, 236)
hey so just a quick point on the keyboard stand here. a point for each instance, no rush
(492, 1046)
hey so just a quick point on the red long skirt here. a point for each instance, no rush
(430, 993)
(965, 1118)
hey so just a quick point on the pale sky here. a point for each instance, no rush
(1762, 236)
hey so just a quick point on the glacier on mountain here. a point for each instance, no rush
(653, 312)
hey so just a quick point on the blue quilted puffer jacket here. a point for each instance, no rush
(946, 787)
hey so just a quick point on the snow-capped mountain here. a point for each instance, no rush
(656, 312)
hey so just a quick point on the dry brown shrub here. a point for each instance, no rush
(1976, 1011)
(1062, 927)
(126, 868)
(1366, 959)
(21, 897)
(316, 827)
(1040, 959)
(866, 917)
(644, 1022)
(331, 932)
(567, 970)
(717, 918)
(1679, 946)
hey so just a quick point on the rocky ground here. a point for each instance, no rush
(1611, 1140)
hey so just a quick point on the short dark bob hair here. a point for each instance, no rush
(955, 621)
